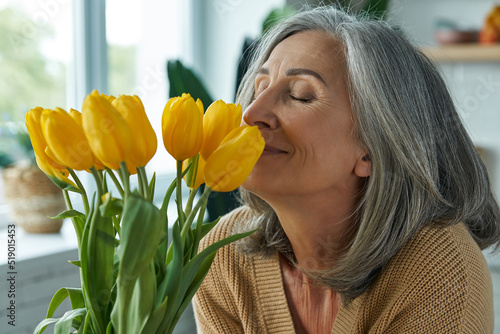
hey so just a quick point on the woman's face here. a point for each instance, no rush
(302, 108)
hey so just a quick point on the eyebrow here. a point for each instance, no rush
(296, 71)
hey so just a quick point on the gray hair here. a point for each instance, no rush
(425, 168)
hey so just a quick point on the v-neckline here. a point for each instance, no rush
(274, 305)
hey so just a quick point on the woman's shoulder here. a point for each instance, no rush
(451, 248)
(439, 281)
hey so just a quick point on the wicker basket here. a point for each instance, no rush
(33, 198)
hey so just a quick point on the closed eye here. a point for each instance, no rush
(305, 99)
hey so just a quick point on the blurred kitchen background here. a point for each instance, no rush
(54, 52)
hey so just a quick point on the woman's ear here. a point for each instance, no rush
(363, 167)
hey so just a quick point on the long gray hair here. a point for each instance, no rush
(425, 168)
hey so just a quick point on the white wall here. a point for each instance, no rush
(225, 25)
(475, 87)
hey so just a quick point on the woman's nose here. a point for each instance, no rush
(261, 113)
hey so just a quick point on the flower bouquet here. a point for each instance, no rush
(133, 280)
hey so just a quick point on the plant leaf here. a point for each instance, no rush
(170, 285)
(76, 298)
(140, 237)
(111, 207)
(99, 268)
(63, 325)
(152, 187)
(76, 263)
(70, 214)
(183, 79)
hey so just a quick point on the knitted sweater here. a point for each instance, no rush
(438, 282)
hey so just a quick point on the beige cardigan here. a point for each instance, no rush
(438, 282)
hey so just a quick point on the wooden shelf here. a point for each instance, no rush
(463, 53)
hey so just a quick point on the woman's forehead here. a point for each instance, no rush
(316, 51)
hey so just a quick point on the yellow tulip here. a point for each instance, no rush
(145, 142)
(219, 119)
(109, 135)
(33, 124)
(182, 127)
(77, 116)
(56, 172)
(58, 176)
(231, 163)
(66, 140)
(194, 177)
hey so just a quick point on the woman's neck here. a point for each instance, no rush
(318, 229)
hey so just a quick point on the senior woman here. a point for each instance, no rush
(372, 202)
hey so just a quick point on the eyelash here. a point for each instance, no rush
(303, 100)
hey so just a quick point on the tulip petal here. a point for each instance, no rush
(231, 163)
(195, 176)
(66, 140)
(182, 127)
(33, 124)
(145, 145)
(219, 119)
(108, 133)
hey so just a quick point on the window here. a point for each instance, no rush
(35, 52)
(49, 56)
(141, 37)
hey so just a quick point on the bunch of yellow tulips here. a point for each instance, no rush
(133, 280)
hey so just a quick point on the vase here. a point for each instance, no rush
(33, 199)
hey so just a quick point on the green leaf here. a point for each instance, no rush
(83, 263)
(43, 324)
(140, 237)
(152, 186)
(63, 185)
(76, 298)
(168, 195)
(277, 15)
(170, 286)
(184, 80)
(156, 318)
(63, 326)
(188, 296)
(111, 206)
(136, 301)
(99, 268)
(376, 8)
(109, 329)
(205, 228)
(192, 268)
(76, 263)
(70, 214)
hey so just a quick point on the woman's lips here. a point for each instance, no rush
(269, 150)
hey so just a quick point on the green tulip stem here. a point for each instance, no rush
(104, 182)
(125, 176)
(67, 200)
(85, 199)
(189, 204)
(189, 220)
(180, 211)
(118, 186)
(143, 181)
(98, 181)
(77, 226)
(116, 224)
(199, 222)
